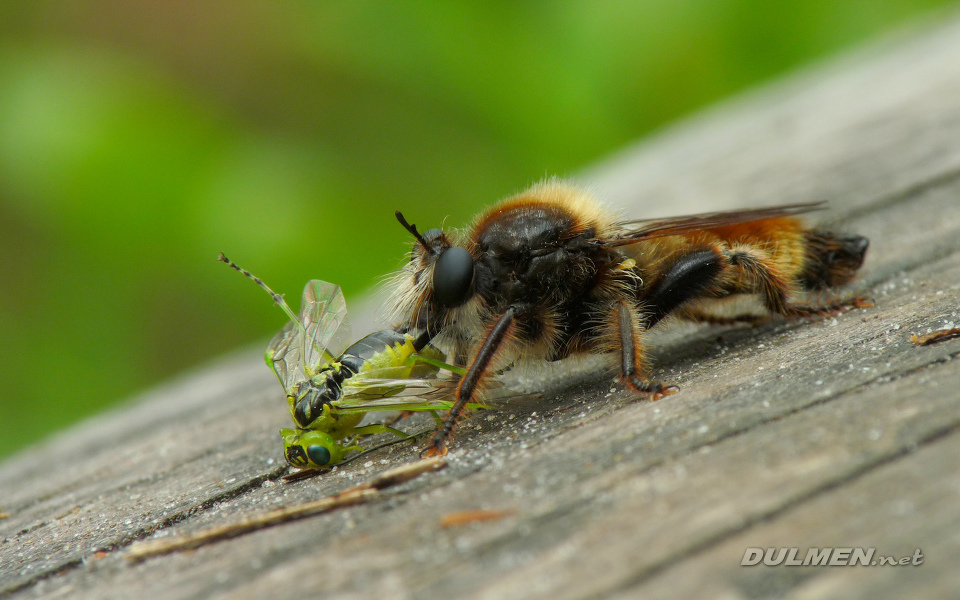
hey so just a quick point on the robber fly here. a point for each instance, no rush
(550, 273)
(329, 394)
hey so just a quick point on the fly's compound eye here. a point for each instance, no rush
(453, 277)
(319, 455)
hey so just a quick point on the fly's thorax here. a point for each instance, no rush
(542, 248)
(555, 196)
(468, 325)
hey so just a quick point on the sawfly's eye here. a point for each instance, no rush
(453, 276)
(319, 455)
(296, 456)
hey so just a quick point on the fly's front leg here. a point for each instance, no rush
(470, 382)
(627, 327)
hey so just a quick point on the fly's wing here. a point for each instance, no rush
(284, 356)
(643, 229)
(323, 312)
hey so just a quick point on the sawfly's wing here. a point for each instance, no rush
(366, 394)
(296, 353)
(283, 356)
(323, 312)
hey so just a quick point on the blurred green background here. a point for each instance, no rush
(138, 139)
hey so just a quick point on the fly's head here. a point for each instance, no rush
(438, 280)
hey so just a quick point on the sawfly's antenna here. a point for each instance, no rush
(277, 298)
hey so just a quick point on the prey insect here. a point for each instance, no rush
(329, 392)
(549, 273)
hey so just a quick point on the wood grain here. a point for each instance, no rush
(838, 432)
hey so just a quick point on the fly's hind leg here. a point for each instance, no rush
(699, 315)
(753, 270)
(627, 329)
(826, 309)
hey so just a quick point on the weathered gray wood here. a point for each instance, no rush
(896, 507)
(796, 434)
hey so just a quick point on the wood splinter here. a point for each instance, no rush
(359, 494)
(465, 517)
(935, 337)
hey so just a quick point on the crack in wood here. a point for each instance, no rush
(897, 197)
(144, 532)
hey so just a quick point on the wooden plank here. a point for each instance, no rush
(776, 427)
(896, 508)
(663, 515)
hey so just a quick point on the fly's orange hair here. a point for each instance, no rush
(567, 199)
(784, 239)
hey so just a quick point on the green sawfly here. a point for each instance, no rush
(330, 386)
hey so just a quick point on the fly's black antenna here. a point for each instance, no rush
(277, 298)
(413, 229)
